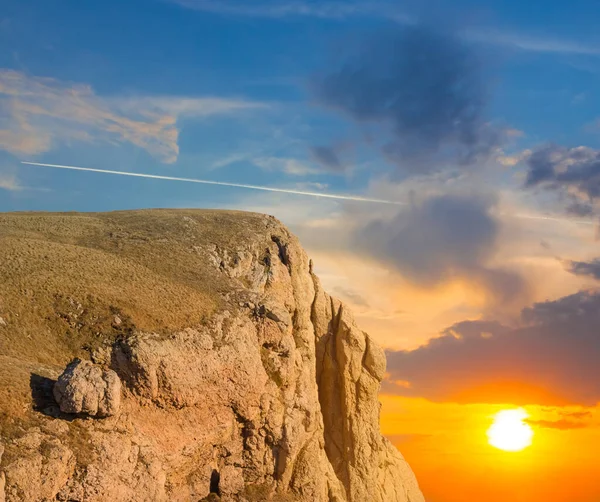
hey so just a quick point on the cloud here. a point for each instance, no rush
(38, 113)
(514, 159)
(424, 93)
(289, 166)
(352, 296)
(276, 9)
(342, 10)
(585, 268)
(562, 424)
(581, 209)
(9, 182)
(327, 157)
(185, 107)
(572, 173)
(550, 359)
(529, 43)
(577, 415)
(445, 237)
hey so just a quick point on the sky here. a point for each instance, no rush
(480, 121)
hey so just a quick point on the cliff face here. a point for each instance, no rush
(240, 375)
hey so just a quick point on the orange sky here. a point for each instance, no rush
(446, 445)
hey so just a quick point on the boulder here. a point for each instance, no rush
(85, 388)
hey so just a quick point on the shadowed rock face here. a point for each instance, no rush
(253, 385)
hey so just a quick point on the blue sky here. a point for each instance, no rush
(542, 65)
(481, 116)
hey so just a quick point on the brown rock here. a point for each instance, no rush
(241, 376)
(86, 388)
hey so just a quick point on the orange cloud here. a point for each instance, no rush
(546, 360)
(44, 111)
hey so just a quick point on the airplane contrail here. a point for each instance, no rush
(289, 191)
(222, 183)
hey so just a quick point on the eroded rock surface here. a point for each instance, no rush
(271, 395)
(88, 389)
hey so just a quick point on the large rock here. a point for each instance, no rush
(86, 388)
(43, 467)
(270, 394)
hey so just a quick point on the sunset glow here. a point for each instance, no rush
(509, 432)
(286, 238)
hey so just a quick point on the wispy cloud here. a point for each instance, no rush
(293, 167)
(338, 10)
(562, 424)
(530, 43)
(9, 182)
(38, 113)
(585, 268)
(278, 9)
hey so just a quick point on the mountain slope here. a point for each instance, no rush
(241, 376)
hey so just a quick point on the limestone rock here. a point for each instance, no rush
(41, 470)
(243, 381)
(86, 388)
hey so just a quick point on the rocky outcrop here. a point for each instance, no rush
(273, 396)
(88, 389)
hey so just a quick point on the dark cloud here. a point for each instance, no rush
(552, 359)
(578, 208)
(443, 238)
(587, 268)
(327, 157)
(573, 173)
(561, 424)
(423, 89)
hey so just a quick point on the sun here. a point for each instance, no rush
(509, 432)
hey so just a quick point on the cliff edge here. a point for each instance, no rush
(242, 380)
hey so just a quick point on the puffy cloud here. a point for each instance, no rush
(39, 112)
(550, 359)
(573, 173)
(444, 238)
(424, 93)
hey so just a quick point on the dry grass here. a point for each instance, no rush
(64, 278)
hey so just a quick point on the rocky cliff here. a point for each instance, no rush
(239, 378)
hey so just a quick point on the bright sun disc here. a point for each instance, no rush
(509, 432)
